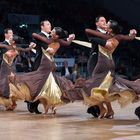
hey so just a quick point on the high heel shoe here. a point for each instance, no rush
(11, 107)
(102, 114)
(109, 115)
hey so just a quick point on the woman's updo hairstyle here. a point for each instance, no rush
(116, 28)
(60, 32)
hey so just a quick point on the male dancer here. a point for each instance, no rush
(45, 26)
(45, 30)
(100, 22)
(8, 35)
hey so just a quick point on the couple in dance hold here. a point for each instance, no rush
(102, 87)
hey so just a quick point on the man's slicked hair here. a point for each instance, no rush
(42, 22)
(97, 18)
(6, 30)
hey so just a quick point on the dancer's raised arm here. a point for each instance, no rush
(41, 38)
(68, 42)
(97, 34)
(130, 37)
(31, 46)
(49, 41)
(5, 46)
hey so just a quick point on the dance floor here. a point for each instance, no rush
(70, 123)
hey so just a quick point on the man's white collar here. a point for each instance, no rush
(101, 30)
(46, 34)
(7, 41)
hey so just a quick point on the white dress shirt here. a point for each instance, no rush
(46, 34)
(8, 41)
(101, 30)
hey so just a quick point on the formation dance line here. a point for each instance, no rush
(42, 85)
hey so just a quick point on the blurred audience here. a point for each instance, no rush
(75, 22)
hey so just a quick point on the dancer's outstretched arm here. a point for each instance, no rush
(119, 37)
(31, 46)
(41, 38)
(49, 41)
(109, 44)
(97, 33)
(125, 37)
(130, 37)
(5, 46)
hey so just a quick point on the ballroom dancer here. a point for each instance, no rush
(39, 82)
(45, 27)
(6, 72)
(113, 25)
(104, 71)
(45, 32)
(100, 23)
(8, 34)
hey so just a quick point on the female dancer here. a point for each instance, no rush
(110, 46)
(112, 25)
(43, 84)
(5, 48)
(96, 90)
(6, 70)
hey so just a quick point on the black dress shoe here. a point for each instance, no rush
(36, 103)
(33, 107)
(37, 111)
(94, 110)
(137, 112)
(29, 106)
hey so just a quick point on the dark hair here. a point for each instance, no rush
(97, 18)
(116, 28)
(137, 112)
(6, 30)
(42, 22)
(60, 32)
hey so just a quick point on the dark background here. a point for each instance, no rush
(74, 16)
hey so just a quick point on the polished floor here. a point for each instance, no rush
(70, 123)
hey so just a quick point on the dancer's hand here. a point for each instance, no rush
(32, 45)
(50, 50)
(132, 32)
(71, 37)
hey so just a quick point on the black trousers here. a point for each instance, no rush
(92, 61)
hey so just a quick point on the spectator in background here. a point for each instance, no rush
(23, 63)
(122, 71)
(66, 70)
(75, 73)
(82, 64)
